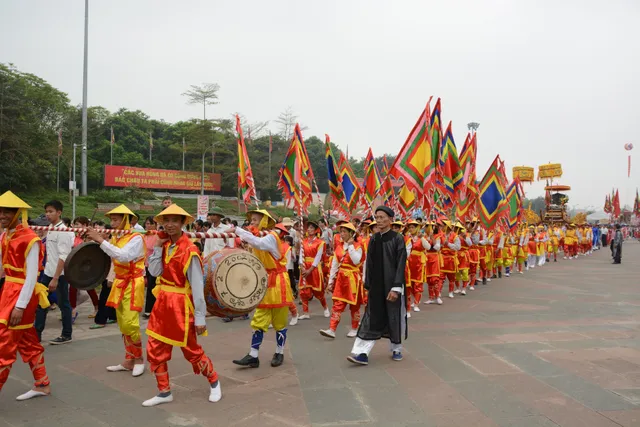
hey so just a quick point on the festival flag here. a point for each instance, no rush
(607, 204)
(616, 205)
(514, 204)
(414, 158)
(60, 141)
(335, 183)
(246, 184)
(435, 138)
(308, 178)
(291, 176)
(406, 201)
(464, 209)
(450, 172)
(387, 186)
(350, 185)
(371, 184)
(492, 199)
(636, 204)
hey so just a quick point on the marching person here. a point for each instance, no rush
(463, 264)
(58, 246)
(617, 245)
(474, 252)
(178, 316)
(311, 278)
(345, 281)
(22, 253)
(385, 313)
(449, 266)
(416, 263)
(283, 233)
(274, 307)
(434, 284)
(128, 253)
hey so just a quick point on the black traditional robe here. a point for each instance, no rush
(385, 267)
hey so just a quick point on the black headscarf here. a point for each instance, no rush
(386, 210)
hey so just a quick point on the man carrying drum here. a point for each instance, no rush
(179, 313)
(127, 292)
(274, 307)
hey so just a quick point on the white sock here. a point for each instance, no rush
(31, 394)
(253, 352)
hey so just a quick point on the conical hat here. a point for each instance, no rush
(348, 226)
(398, 223)
(174, 210)
(11, 201)
(121, 210)
(412, 222)
(265, 214)
(459, 225)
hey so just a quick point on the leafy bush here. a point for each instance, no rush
(108, 196)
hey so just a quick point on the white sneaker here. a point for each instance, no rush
(352, 333)
(270, 326)
(138, 370)
(416, 308)
(527, 268)
(294, 321)
(463, 292)
(488, 279)
(521, 272)
(439, 301)
(471, 288)
(413, 305)
(408, 315)
(507, 274)
(216, 393)
(450, 294)
(564, 258)
(117, 368)
(456, 291)
(429, 301)
(157, 400)
(304, 316)
(327, 333)
(327, 313)
(31, 394)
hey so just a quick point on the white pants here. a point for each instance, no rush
(365, 346)
(531, 262)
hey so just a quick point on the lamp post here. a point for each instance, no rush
(84, 100)
(72, 184)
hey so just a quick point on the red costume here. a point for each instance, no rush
(21, 338)
(416, 263)
(449, 266)
(313, 284)
(434, 261)
(348, 289)
(172, 319)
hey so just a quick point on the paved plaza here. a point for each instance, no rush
(556, 347)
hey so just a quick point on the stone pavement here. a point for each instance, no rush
(556, 347)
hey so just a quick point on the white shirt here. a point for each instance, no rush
(132, 251)
(212, 245)
(31, 274)
(59, 244)
(195, 277)
(267, 243)
(354, 254)
(316, 260)
(138, 227)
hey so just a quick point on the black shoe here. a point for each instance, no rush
(60, 340)
(499, 274)
(484, 280)
(248, 361)
(555, 260)
(277, 360)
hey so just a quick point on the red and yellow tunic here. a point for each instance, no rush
(540, 245)
(449, 257)
(278, 285)
(417, 261)
(474, 251)
(508, 253)
(490, 255)
(434, 258)
(15, 248)
(127, 274)
(310, 247)
(497, 250)
(348, 283)
(463, 255)
(172, 314)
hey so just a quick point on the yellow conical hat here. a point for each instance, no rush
(174, 210)
(10, 200)
(349, 226)
(267, 219)
(121, 210)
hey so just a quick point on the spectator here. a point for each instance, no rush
(166, 202)
(134, 223)
(212, 245)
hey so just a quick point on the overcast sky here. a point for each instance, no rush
(548, 80)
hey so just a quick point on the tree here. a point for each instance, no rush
(253, 130)
(207, 94)
(287, 121)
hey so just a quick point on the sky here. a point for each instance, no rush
(548, 80)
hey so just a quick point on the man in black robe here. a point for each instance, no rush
(616, 245)
(385, 315)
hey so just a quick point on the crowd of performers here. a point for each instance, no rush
(381, 264)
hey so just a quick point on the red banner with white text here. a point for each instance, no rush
(160, 179)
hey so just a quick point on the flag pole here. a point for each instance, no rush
(58, 173)
(270, 149)
(183, 149)
(150, 146)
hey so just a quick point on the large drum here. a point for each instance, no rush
(235, 282)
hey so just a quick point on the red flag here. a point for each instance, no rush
(616, 205)
(60, 143)
(246, 185)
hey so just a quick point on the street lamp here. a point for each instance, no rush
(473, 126)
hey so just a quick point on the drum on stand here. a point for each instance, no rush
(235, 282)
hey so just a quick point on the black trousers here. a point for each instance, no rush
(104, 313)
(62, 293)
(150, 300)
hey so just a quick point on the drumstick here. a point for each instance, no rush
(198, 235)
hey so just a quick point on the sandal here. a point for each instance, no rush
(111, 321)
(96, 326)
